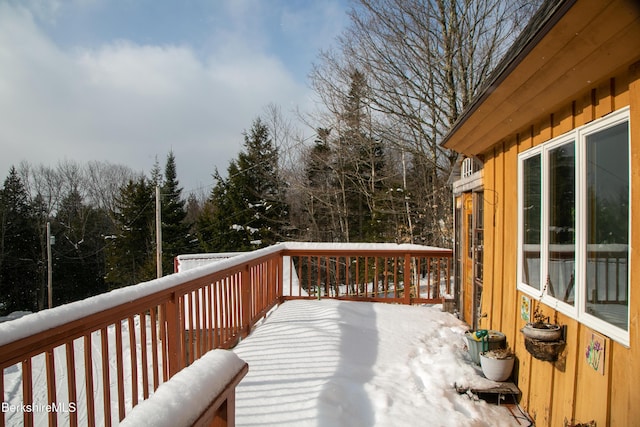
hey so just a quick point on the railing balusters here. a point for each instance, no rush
(88, 375)
(154, 347)
(188, 312)
(168, 353)
(210, 314)
(120, 369)
(51, 384)
(224, 306)
(181, 333)
(143, 354)
(106, 383)
(216, 314)
(71, 381)
(133, 354)
(27, 390)
(2, 418)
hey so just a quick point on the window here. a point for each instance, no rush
(607, 224)
(574, 225)
(531, 212)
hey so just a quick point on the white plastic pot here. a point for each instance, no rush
(496, 369)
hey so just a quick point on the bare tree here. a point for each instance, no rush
(103, 183)
(424, 61)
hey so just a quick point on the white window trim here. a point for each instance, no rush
(578, 310)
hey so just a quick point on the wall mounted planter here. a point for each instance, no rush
(543, 332)
(544, 343)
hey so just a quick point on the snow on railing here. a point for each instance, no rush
(200, 394)
(92, 361)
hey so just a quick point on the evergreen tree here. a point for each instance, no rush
(247, 210)
(176, 238)
(78, 253)
(19, 257)
(131, 255)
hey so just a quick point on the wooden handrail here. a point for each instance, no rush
(102, 356)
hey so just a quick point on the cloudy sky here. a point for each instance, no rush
(125, 81)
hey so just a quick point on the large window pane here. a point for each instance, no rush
(531, 210)
(608, 224)
(561, 232)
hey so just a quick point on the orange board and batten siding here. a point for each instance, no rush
(568, 390)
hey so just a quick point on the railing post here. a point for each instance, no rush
(280, 279)
(174, 346)
(407, 279)
(245, 290)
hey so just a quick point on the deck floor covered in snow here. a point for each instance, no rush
(338, 363)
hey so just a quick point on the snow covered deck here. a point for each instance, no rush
(340, 363)
(93, 361)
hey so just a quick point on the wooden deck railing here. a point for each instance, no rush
(379, 273)
(92, 361)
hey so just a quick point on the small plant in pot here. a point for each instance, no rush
(541, 329)
(497, 364)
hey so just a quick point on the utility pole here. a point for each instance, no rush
(49, 267)
(158, 234)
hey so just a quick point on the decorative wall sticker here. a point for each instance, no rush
(595, 352)
(525, 308)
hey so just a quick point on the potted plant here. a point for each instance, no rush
(542, 339)
(541, 329)
(497, 364)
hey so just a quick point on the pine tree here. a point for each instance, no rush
(247, 210)
(131, 254)
(176, 237)
(19, 257)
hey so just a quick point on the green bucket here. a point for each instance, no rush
(484, 340)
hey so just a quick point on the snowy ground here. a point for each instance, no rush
(336, 363)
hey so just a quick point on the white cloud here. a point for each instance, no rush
(128, 103)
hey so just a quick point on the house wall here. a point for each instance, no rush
(567, 391)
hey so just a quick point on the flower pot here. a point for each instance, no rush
(542, 332)
(496, 369)
(478, 342)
